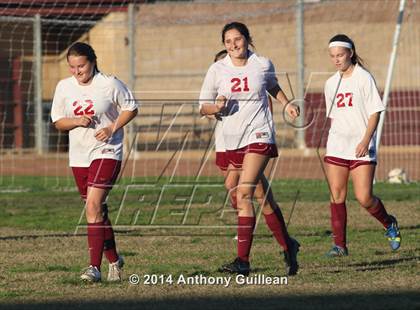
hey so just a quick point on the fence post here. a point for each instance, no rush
(300, 49)
(390, 73)
(131, 35)
(37, 75)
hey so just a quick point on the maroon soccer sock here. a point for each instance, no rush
(96, 234)
(245, 234)
(110, 248)
(339, 223)
(277, 226)
(378, 211)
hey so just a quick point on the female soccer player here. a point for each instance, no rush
(236, 87)
(94, 108)
(353, 105)
(232, 176)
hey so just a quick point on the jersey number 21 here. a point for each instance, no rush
(239, 85)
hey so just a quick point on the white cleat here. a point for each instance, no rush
(115, 272)
(91, 274)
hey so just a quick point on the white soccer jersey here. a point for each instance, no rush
(248, 118)
(218, 137)
(101, 99)
(356, 99)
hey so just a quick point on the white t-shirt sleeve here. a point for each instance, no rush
(123, 97)
(208, 91)
(372, 100)
(271, 77)
(58, 105)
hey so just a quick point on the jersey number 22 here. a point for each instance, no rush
(79, 110)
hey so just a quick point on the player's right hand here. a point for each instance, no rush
(84, 121)
(220, 102)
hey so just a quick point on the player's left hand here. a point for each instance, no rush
(362, 149)
(292, 110)
(103, 134)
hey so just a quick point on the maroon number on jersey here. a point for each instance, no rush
(236, 87)
(79, 110)
(344, 99)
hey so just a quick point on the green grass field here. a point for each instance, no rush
(187, 235)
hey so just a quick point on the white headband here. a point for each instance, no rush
(341, 44)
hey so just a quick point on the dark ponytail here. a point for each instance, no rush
(220, 55)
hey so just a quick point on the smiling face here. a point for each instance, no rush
(236, 44)
(81, 68)
(341, 57)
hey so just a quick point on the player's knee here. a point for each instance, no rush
(259, 193)
(244, 193)
(263, 202)
(338, 195)
(93, 208)
(365, 200)
(260, 200)
(230, 184)
(266, 210)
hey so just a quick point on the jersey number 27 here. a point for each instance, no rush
(342, 98)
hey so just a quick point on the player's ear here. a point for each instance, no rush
(351, 53)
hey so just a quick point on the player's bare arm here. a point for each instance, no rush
(124, 118)
(69, 123)
(291, 109)
(363, 146)
(210, 108)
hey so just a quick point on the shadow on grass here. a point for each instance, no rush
(383, 264)
(41, 236)
(387, 261)
(398, 300)
(412, 227)
(376, 265)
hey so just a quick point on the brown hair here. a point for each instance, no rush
(355, 59)
(83, 49)
(221, 54)
(242, 28)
